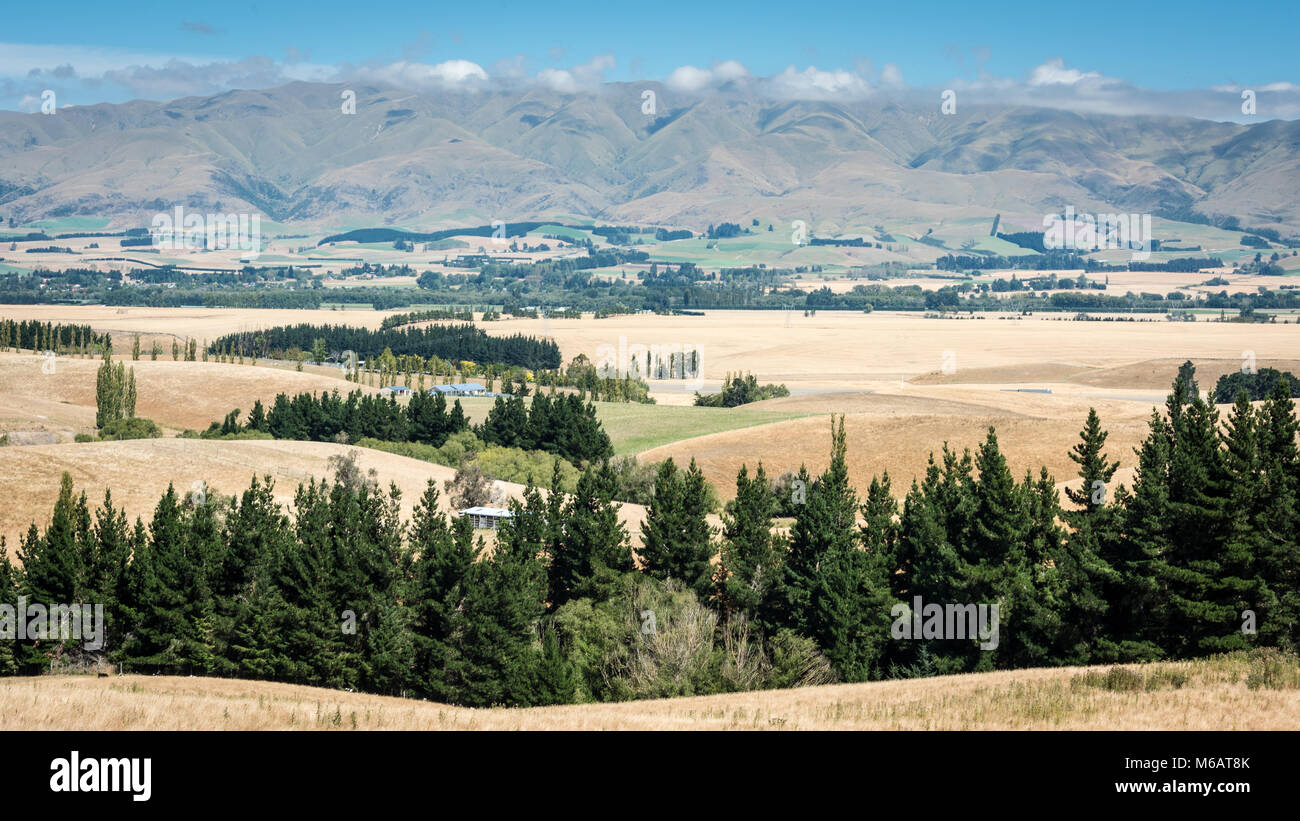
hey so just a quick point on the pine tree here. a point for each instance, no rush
(497, 658)
(1094, 469)
(8, 587)
(1198, 584)
(168, 597)
(51, 564)
(826, 522)
(556, 679)
(105, 569)
(1135, 602)
(676, 536)
(443, 556)
(750, 563)
(593, 551)
(1278, 561)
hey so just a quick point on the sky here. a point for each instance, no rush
(1193, 58)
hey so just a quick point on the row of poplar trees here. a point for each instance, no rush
(1200, 555)
(114, 391)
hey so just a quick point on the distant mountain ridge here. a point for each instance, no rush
(433, 161)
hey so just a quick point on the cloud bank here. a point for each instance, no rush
(86, 75)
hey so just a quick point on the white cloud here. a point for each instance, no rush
(446, 75)
(1054, 72)
(689, 79)
(586, 77)
(20, 59)
(730, 71)
(812, 83)
(891, 76)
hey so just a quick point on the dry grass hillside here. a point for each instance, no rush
(1223, 693)
(898, 432)
(60, 399)
(138, 472)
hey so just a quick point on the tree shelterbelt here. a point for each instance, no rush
(562, 424)
(1200, 555)
(322, 418)
(448, 342)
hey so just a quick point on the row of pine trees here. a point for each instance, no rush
(1201, 555)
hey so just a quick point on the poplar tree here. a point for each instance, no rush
(128, 395)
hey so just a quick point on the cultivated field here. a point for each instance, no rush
(1209, 694)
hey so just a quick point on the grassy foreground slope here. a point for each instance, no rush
(1235, 692)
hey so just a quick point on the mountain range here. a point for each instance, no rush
(622, 155)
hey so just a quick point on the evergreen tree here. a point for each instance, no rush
(1278, 561)
(826, 522)
(443, 555)
(497, 658)
(676, 536)
(587, 560)
(556, 679)
(1201, 586)
(1094, 469)
(750, 563)
(1134, 599)
(168, 597)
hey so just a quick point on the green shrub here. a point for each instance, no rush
(133, 428)
(84, 437)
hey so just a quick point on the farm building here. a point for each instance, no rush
(396, 390)
(460, 389)
(486, 517)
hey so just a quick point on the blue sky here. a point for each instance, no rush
(93, 52)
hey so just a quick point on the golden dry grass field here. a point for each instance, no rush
(138, 471)
(59, 396)
(844, 351)
(1208, 694)
(886, 372)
